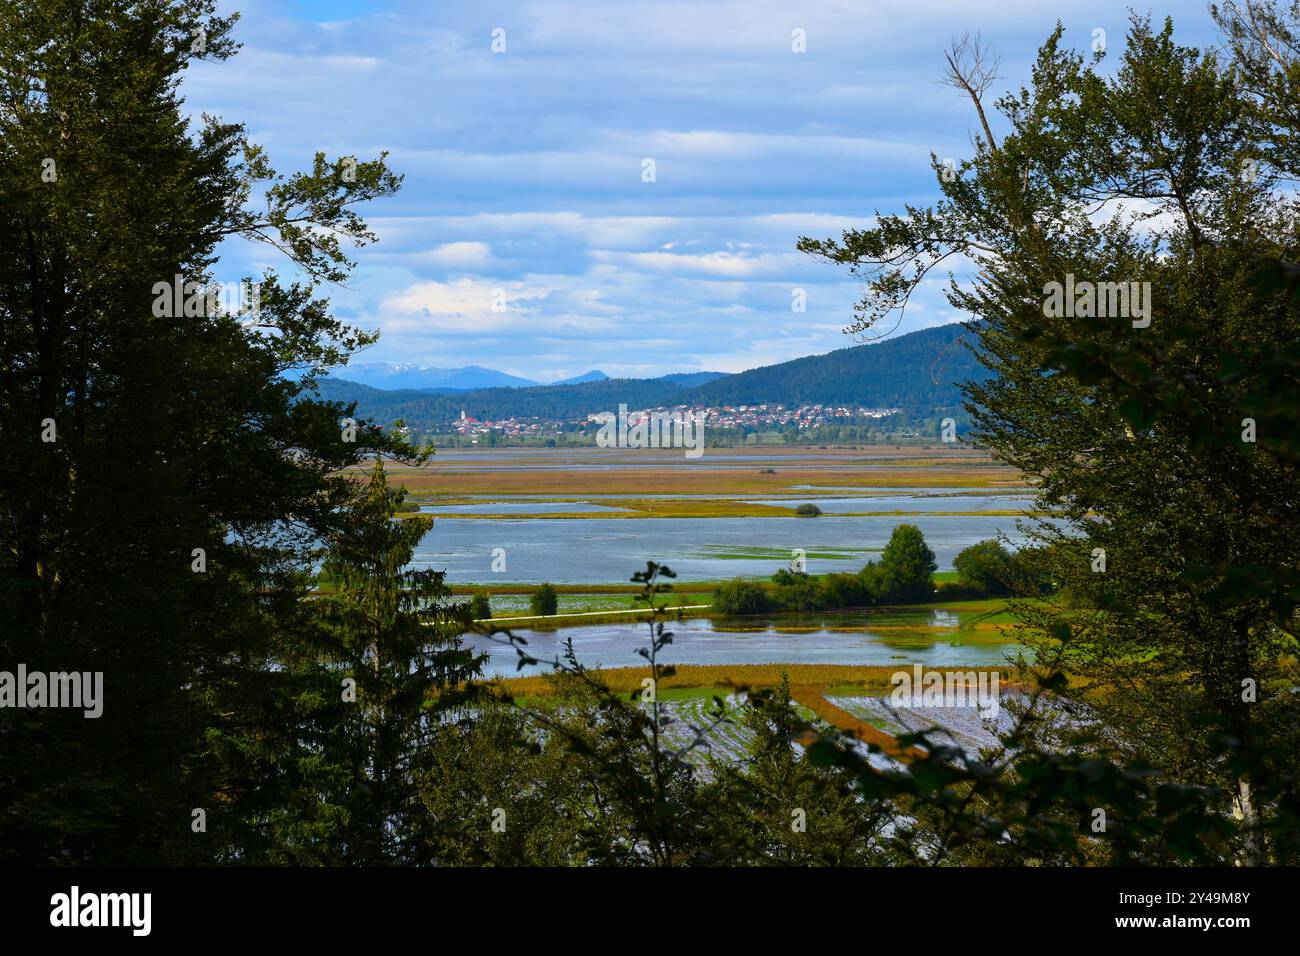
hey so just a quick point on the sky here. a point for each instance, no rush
(525, 167)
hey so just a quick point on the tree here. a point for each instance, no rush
(544, 600)
(907, 565)
(1134, 407)
(985, 567)
(795, 591)
(163, 482)
(380, 666)
(843, 590)
(636, 786)
(498, 795)
(874, 583)
(740, 597)
(782, 809)
(480, 605)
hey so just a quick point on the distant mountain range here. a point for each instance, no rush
(385, 376)
(918, 372)
(595, 375)
(467, 378)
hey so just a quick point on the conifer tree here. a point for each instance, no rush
(382, 670)
(164, 480)
(1157, 425)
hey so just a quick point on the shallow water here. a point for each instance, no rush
(840, 638)
(609, 550)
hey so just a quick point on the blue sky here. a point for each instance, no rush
(524, 168)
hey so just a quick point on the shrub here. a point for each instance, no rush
(874, 583)
(956, 591)
(1031, 571)
(544, 600)
(808, 511)
(740, 597)
(796, 591)
(843, 590)
(986, 567)
(480, 605)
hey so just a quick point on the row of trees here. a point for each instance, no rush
(903, 575)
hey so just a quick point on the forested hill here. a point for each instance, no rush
(918, 371)
(422, 408)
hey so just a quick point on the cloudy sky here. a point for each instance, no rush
(524, 168)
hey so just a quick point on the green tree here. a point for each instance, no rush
(544, 600)
(499, 795)
(795, 591)
(480, 605)
(985, 567)
(779, 809)
(163, 482)
(874, 583)
(907, 565)
(380, 664)
(843, 590)
(637, 789)
(1172, 523)
(740, 597)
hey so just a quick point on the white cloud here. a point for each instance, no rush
(718, 264)
(457, 305)
(458, 255)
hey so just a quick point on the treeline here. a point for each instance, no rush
(903, 575)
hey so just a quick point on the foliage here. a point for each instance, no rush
(907, 567)
(480, 605)
(1163, 454)
(985, 568)
(377, 665)
(795, 591)
(544, 600)
(163, 537)
(740, 597)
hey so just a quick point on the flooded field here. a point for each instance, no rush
(929, 636)
(609, 550)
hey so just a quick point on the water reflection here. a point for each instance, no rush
(930, 637)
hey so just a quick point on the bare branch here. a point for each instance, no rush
(973, 67)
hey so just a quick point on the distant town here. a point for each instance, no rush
(764, 417)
